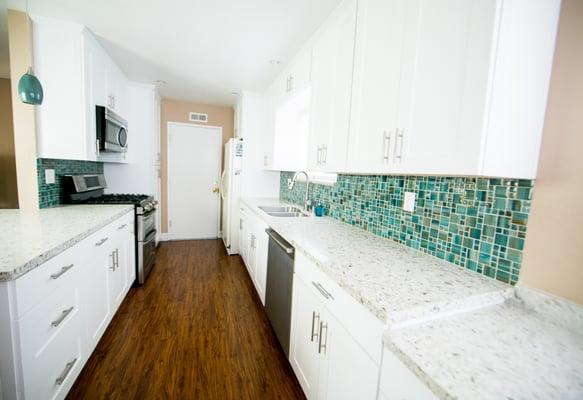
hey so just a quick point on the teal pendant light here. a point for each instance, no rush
(29, 89)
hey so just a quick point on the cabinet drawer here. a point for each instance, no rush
(48, 319)
(364, 327)
(58, 272)
(51, 361)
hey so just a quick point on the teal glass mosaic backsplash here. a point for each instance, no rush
(52, 194)
(478, 223)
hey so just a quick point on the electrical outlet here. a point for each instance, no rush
(409, 202)
(49, 176)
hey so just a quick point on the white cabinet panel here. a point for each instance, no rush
(331, 340)
(331, 82)
(97, 298)
(303, 354)
(375, 94)
(450, 87)
(446, 52)
(58, 63)
(397, 382)
(347, 370)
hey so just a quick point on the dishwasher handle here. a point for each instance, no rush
(288, 248)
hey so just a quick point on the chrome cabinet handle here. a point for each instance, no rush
(122, 226)
(322, 346)
(62, 317)
(101, 241)
(112, 255)
(291, 83)
(59, 381)
(62, 271)
(116, 258)
(324, 154)
(97, 147)
(323, 291)
(240, 224)
(318, 154)
(386, 145)
(314, 324)
(399, 144)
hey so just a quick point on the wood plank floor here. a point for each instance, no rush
(195, 330)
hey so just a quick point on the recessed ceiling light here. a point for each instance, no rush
(274, 62)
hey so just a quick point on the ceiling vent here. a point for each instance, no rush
(198, 117)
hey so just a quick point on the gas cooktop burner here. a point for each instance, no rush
(118, 198)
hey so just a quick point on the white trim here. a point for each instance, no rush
(319, 178)
(219, 129)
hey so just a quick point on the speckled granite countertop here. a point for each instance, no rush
(29, 238)
(397, 284)
(527, 348)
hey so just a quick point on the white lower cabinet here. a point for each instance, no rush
(253, 244)
(52, 317)
(330, 358)
(397, 382)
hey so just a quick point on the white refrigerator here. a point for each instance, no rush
(230, 189)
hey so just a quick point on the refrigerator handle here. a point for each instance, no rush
(222, 189)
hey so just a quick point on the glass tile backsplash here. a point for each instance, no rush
(478, 223)
(52, 194)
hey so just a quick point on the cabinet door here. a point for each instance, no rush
(444, 78)
(331, 81)
(97, 290)
(347, 371)
(375, 93)
(118, 269)
(261, 249)
(251, 253)
(303, 353)
(96, 87)
(243, 249)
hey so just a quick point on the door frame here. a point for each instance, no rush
(216, 129)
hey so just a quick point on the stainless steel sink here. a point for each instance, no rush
(280, 209)
(284, 211)
(294, 214)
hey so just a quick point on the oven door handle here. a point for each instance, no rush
(150, 236)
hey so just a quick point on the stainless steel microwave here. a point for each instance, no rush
(112, 134)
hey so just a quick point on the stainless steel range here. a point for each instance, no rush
(88, 189)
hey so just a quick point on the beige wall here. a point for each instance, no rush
(553, 255)
(8, 188)
(177, 111)
(20, 45)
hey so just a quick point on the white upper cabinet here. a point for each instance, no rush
(375, 94)
(296, 76)
(58, 63)
(453, 87)
(331, 87)
(76, 74)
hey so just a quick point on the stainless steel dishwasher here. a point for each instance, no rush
(278, 289)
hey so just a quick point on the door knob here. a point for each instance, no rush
(215, 190)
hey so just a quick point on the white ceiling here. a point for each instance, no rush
(203, 49)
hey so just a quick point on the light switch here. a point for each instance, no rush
(409, 201)
(49, 176)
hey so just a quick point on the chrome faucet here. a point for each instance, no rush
(292, 182)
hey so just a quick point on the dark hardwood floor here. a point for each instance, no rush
(195, 330)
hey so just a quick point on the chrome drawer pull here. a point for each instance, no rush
(101, 241)
(314, 324)
(322, 291)
(65, 372)
(322, 346)
(62, 271)
(62, 317)
(122, 226)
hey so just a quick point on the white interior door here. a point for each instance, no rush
(194, 167)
